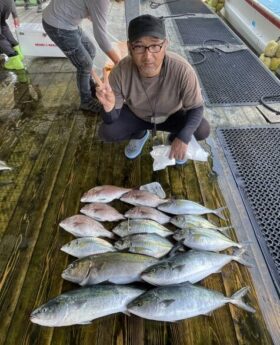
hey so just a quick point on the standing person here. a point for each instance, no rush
(151, 89)
(39, 5)
(60, 21)
(8, 44)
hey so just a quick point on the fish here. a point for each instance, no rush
(179, 302)
(4, 166)
(106, 193)
(180, 206)
(142, 198)
(137, 226)
(191, 266)
(192, 221)
(101, 212)
(83, 226)
(81, 306)
(115, 267)
(85, 246)
(144, 212)
(204, 239)
(148, 244)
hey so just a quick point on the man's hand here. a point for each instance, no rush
(104, 92)
(178, 149)
(16, 22)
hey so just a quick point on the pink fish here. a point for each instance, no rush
(104, 193)
(102, 212)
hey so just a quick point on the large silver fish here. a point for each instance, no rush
(118, 268)
(142, 198)
(179, 302)
(205, 239)
(84, 246)
(144, 212)
(102, 212)
(104, 193)
(137, 226)
(192, 266)
(192, 221)
(83, 305)
(180, 206)
(83, 226)
(147, 244)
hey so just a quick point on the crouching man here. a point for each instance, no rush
(151, 89)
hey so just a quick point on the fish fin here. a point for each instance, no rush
(225, 228)
(218, 212)
(166, 303)
(176, 247)
(237, 256)
(85, 322)
(126, 312)
(178, 268)
(236, 299)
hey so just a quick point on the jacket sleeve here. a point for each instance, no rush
(98, 11)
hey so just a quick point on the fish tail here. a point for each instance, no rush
(237, 256)
(218, 212)
(236, 299)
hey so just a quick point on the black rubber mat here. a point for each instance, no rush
(197, 31)
(190, 6)
(236, 78)
(254, 159)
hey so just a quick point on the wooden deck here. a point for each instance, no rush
(56, 156)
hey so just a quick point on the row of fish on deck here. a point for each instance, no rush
(141, 249)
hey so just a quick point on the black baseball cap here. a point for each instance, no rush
(146, 25)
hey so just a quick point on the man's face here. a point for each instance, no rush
(148, 61)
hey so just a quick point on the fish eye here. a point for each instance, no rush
(139, 304)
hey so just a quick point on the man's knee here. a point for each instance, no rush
(203, 130)
(107, 133)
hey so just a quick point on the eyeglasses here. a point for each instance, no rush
(153, 48)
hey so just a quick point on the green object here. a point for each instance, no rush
(14, 62)
(18, 50)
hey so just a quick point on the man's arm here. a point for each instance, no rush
(98, 11)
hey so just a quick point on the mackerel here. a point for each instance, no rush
(137, 226)
(179, 302)
(180, 206)
(83, 305)
(192, 266)
(85, 246)
(117, 268)
(148, 244)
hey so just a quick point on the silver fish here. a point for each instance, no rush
(117, 268)
(148, 244)
(83, 305)
(192, 221)
(102, 212)
(83, 226)
(204, 239)
(85, 246)
(179, 302)
(180, 206)
(104, 193)
(144, 212)
(192, 266)
(141, 198)
(137, 226)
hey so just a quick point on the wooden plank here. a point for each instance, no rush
(17, 245)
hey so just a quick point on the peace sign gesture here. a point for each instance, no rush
(104, 91)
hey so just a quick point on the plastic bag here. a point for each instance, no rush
(161, 158)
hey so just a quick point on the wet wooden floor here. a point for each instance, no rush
(56, 155)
